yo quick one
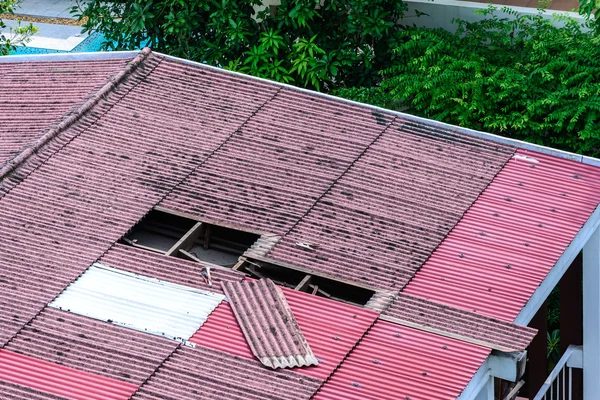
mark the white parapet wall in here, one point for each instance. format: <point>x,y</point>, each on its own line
<point>440,13</point>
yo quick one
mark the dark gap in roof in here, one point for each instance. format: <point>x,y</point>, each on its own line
<point>340,291</point>
<point>189,239</point>
<point>282,276</point>
<point>159,231</point>
<point>320,286</point>
<point>219,245</point>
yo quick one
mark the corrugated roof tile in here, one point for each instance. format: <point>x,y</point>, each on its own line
<point>60,380</point>
<point>331,328</point>
<point>472,327</point>
<point>205,373</point>
<point>268,323</point>
<point>138,302</point>
<point>395,362</point>
<point>36,95</point>
<point>170,269</point>
<point>92,346</point>
<point>499,253</point>
<point>392,208</point>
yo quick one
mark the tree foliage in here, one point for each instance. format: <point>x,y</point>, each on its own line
<point>16,36</point>
<point>520,77</point>
<point>312,43</point>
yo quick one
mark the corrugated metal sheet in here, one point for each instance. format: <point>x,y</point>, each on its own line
<point>272,171</point>
<point>497,334</point>
<point>331,328</point>
<point>100,176</point>
<point>138,302</point>
<point>35,95</point>
<point>92,346</point>
<point>500,252</point>
<point>382,219</point>
<point>12,391</point>
<point>192,373</point>
<point>170,269</point>
<point>268,324</point>
<point>60,380</point>
<point>394,362</point>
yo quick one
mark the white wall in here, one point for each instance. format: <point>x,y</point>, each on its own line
<point>441,13</point>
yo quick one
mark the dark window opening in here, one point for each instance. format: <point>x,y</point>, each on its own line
<point>189,239</point>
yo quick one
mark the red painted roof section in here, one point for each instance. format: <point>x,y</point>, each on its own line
<point>394,362</point>
<point>60,380</point>
<point>392,208</point>
<point>331,328</point>
<point>36,95</point>
<point>268,324</point>
<point>499,253</point>
<point>192,373</point>
<point>170,269</point>
<point>499,335</point>
<point>92,346</point>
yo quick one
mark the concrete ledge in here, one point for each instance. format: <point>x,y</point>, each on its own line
<point>442,12</point>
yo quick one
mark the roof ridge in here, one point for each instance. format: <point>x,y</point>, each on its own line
<point>71,117</point>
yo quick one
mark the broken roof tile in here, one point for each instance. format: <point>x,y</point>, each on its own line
<point>268,324</point>
<point>464,325</point>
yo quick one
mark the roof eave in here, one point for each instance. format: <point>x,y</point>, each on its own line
<point>104,55</point>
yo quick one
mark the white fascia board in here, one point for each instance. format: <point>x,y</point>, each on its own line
<point>478,382</point>
<point>96,55</point>
<point>558,270</point>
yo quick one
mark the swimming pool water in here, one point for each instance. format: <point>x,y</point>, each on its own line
<point>89,44</point>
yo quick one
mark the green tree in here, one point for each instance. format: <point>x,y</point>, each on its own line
<point>311,43</point>
<point>522,77</point>
<point>16,36</point>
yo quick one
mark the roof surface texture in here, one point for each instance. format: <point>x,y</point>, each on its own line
<point>458,228</point>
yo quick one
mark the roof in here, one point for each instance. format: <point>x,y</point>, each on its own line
<point>268,324</point>
<point>455,323</point>
<point>396,362</point>
<point>499,253</point>
<point>30,105</point>
<point>348,193</point>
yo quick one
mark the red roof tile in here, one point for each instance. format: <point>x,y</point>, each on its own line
<point>13,391</point>
<point>169,269</point>
<point>393,207</point>
<point>377,196</point>
<point>499,253</point>
<point>210,374</point>
<point>268,324</point>
<point>36,96</point>
<point>60,380</point>
<point>92,346</point>
<point>279,163</point>
<point>105,172</point>
<point>394,362</point>
<point>463,325</point>
<point>331,328</point>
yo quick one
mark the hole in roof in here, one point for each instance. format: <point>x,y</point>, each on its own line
<point>158,231</point>
<point>189,239</point>
<point>317,285</point>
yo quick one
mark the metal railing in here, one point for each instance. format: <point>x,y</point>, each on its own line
<point>558,386</point>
